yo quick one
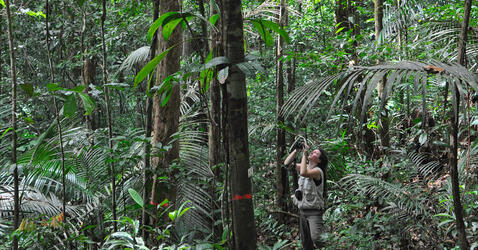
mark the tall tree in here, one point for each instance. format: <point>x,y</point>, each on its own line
<point>215,131</point>
<point>281,172</point>
<point>244,229</point>
<point>148,124</point>
<point>108,117</point>
<point>384,121</point>
<point>166,118</point>
<point>459,213</point>
<point>57,113</point>
<point>13,75</point>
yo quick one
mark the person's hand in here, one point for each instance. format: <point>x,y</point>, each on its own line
<point>306,147</point>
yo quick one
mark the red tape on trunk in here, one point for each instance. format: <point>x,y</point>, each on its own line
<point>241,197</point>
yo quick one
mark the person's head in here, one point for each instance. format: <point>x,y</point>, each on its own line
<point>318,157</point>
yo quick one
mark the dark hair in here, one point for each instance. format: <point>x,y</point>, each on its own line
<point>324,161</point>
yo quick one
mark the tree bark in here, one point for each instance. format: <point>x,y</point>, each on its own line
<point>13,75</point>
<point>281,172</point>
<point>459,213</point>
<point>148,182</point>
<point>166,119</point>
<point>108,118</point>
<point>244,229</point>
<point>384,129</point>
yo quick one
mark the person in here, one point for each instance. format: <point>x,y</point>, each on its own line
<point>309,197</point>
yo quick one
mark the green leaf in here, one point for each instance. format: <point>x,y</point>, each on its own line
<point>28,88</point>
<point>340,29</point>
<point>54,87</point>
<point>88,103</point>
<point>81,2</point>
<point>165,97</point>
<point>172,215</point>
<point>159,22</point>
<point>136,197</point>
<point>184,211</point>
<point>266,36</point>
<point>6,131</point>
<point>149,67</point>
<point>69,109</point>
<point>169,27</point>
<point>2,3</point>
<point>213,19</point>
<point>78,88</point>
<point>277,29</point>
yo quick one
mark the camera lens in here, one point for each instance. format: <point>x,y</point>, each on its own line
<point>298,194</point>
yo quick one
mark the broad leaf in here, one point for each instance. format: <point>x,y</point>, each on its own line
<point>213,19</point>
<point>223,74</point>
<point>159,22</point>
<point>69,109</point>
<point>149,67</point>
<point>136,197</point>
<point>88,103</point>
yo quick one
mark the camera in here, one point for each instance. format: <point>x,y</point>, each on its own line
<point>298,194</point>
<point>299,145</point>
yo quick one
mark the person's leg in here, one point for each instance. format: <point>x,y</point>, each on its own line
<point>316,226</point>
<point>304,229</point>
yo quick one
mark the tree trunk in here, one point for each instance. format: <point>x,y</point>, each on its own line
<point>281,172</point>
<point>341,15</point>
<point>384,129</point>
<point>166,119</point>
<point>108,118</point>
<point>148,182</point>
<point>13,75</point>
<point>244,229</point>
<point>459,213</point>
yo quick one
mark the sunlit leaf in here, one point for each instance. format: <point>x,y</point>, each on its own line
<point>136,197</point>
<point>213,19</point>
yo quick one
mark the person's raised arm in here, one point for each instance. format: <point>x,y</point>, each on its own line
<point>290,157</point>
<point>304,171</point>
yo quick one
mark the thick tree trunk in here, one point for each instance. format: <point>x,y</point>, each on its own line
<point>281,172</point>
<point>166,119</point>
<point>244,229</point>
<point>459,213</point>
<point>13,75</point>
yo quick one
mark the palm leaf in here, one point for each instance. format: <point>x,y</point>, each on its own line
<point>304,98</point>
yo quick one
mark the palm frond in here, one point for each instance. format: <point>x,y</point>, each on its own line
<point>402,196</point>
<point>397,18</point>
<point>136,58</point>
<point>303,99</point>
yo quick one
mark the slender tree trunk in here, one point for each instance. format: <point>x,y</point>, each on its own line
<point>291,82</point>
<point>148,182</point>
<point>108,117</point>
<point>459,213</point>
<point>214,135</point>
<point>384,130</point>
<point>281,172</point>
<point>57,113</point>
<point>166,119</point>
<point>244,229</point>
<point>13,75</point>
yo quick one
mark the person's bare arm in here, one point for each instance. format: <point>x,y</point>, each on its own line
<point>290,157</point>
<point>304,171</point>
